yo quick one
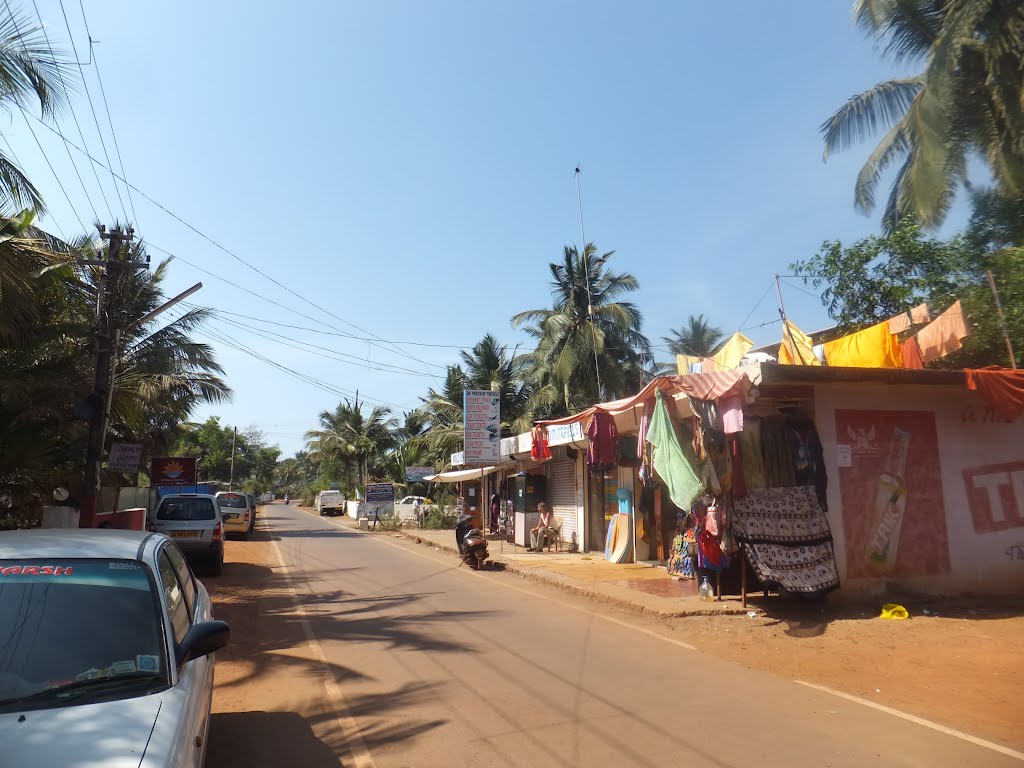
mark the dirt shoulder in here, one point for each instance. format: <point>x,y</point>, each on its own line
<point>963,668</point>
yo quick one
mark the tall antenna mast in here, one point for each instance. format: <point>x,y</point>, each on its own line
<point>590,299</point>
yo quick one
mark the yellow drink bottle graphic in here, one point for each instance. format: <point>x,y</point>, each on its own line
<point>890,502</point>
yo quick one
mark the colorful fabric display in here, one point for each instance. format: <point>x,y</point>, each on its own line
<point>669,460</point>
<point>729,356</point>
<point>787,539</point>
<point>797,347</point>
<point>912,354</point>
<point>539,450</point>
<point>602,437</point>
<point>942,336</point>
<point>874,347</point>
<point>685,363</point>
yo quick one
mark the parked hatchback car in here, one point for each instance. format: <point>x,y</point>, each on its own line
<point>194,522</point>
<point>234,508</point>
<point>108,641</point>
<point>252,511</point>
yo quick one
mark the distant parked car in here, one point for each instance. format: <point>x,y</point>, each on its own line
<point>109,650</point>
<point>406,509</point>
<point>194,521</point>
<point>329,503</point>
<point>234,506</point>
<point>252,511</point>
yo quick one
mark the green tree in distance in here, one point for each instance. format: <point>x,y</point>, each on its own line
<point>352,439</point>
<point>968,98</point>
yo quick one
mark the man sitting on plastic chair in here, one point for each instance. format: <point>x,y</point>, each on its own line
<point>542,529</point>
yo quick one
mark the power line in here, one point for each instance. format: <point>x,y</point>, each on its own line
<point>74,116</point>
<point>55,176</point>
<point>21,165</point>
<point>802,290</point>
<point>92,107</point>
<point>106,105</point>
<point>265,298</point>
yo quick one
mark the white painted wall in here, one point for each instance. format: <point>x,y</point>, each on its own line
<point>986,547</point>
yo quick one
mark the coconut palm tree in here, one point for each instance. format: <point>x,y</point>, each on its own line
<point>490,366</point>
<point>350,438</point>
<point>29,74</point>
<point>695,339</point>
<point>588,334</point>
<point>442,413</point>
<point>968,98</point>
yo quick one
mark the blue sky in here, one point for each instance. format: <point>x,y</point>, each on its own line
<point>408,167</point>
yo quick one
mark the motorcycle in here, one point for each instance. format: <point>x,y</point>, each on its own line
<point>471,542</point>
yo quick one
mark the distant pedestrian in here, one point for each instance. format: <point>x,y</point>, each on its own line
<point>495,512</point>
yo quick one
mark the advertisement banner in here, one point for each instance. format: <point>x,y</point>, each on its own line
<point>890,479</point>
<point>125,458</point>
<point>173,472</point>
<point>377,492</point>
<point>481,431</point>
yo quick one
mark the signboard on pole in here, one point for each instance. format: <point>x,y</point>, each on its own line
<point>380,498</point>
<point>481,430</point>
<point>124,458</point>
<point>173,472</point>
<point>416,474</point>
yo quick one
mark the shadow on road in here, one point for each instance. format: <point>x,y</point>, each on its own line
<point>253,739</point>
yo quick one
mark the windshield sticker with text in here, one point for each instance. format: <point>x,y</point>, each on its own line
<point>36,570</point>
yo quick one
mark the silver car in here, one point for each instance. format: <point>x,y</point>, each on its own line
<point>194,522</point>
<point>108,641</point>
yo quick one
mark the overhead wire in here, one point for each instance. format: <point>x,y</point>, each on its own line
<point>21,165</point>
<point>74,116</point>
<point>92,108</point>
<point>106,106</point>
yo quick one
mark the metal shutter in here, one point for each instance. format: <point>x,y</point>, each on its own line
<point>562,494</point>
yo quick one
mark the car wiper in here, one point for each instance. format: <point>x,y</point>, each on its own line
<point>79,686</point>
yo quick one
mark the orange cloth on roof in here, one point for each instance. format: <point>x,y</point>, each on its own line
<point>942,336</point>
<point>912,354</point>
<point>916,316</point>
<point>1003,389</point>
<point>873,347</point>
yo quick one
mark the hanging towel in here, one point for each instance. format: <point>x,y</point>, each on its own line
<point>730,408</point>
<point>797,347</point>
<point>942,336</point>
<point>912,354</point>
<point>1002,389</point>
<point>729,356</point>
<point>669,460</point>
<point>874,347</point>
<point>919,315</point>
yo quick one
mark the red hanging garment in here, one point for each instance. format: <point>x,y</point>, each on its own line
<point>539,450</point>
<point>1002,389</point>
<point>602,435</point>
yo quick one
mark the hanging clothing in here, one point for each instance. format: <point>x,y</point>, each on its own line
<point>809,461</point>
<point>685,363</point>
<point>777,450</point>
<point>1001,388</point>
<point>730,354</point>
<point>874,347</point>
<point>731,408</point>
<point>602,437</point>
<point>669,460</point>
<point>919,315</point>
<point>912,354</point>
<point>797,347</point>
<point>539,450</point>
<point>942,336</point>
<point>645,422</point>
<point>753,460</point>
<point>739,480</point>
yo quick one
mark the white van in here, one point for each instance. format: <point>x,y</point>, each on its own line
<point>329,503</point>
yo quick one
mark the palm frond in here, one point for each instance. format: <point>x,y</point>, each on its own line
<point>869,112</point>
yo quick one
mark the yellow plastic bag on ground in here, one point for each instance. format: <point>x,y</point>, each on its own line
<point>894,611</point>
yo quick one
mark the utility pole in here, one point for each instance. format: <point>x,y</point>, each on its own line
<point>231,480</point>
<point>102,386</point>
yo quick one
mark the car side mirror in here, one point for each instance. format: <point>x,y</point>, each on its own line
<point>202,640</point>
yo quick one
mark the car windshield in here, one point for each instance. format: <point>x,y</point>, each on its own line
<point>65,621</point>
<point>232,501</point>
<point>186,509</point>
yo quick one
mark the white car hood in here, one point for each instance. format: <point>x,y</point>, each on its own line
<point>112,734</point>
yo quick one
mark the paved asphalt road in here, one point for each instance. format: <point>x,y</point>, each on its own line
<point>436,665</point>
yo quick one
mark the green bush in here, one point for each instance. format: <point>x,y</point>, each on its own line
<point>437,519</point>
<point>389,522</point>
